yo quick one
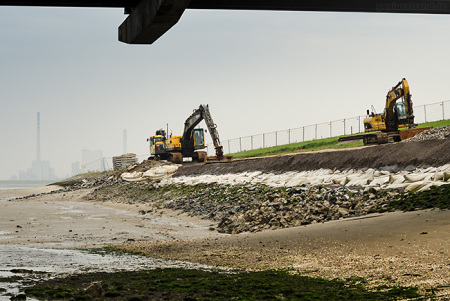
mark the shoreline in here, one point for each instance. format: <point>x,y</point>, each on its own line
<point>47,235</point>
<point>8,194</point>
<point>407,247</point>
<point>65,220</point>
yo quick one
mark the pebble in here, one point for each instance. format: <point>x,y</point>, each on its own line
<point>237,208</point>
<point>440,133</point>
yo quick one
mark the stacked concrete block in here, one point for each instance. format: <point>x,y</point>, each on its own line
<point>123,161</point>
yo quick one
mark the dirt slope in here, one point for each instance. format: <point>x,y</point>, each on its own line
<point>422,153</point>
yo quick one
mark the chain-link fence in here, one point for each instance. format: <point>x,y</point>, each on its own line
<point>425,113</point>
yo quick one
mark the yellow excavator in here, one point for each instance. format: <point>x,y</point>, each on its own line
<point>396,114</point>
<point>189,145</point>
<point>380,128</point>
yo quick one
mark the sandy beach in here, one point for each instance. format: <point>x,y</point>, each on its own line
<point>64,220</point>
<point>410,248</point>
<point>48,235</point>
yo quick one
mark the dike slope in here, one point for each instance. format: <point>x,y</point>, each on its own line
<point>417,154</point>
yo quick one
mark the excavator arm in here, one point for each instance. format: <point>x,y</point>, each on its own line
<point>202,113</point>
<point>212,127</point>
<point>398,91</point>
<point>408,104</point>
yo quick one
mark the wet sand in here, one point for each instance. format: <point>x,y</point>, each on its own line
<point>40,236</point>
<point>64,220</point>
<point>411,248</point>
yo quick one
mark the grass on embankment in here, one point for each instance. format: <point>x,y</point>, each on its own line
<point>181,284</point>
<point>436,124</point>
<point>315,145</point>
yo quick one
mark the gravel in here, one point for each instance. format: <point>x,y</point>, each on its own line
<point>250,208</point>
<point>439,133</point>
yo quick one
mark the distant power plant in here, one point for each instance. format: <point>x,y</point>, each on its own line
<point>40,170</point>
<point>38,148</point>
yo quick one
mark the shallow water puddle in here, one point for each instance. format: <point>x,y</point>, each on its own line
<point>22,266</point>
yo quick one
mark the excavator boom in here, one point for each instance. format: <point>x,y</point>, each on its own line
<point>202,113</point>
<point>175,148</point>
<point>398,91</point>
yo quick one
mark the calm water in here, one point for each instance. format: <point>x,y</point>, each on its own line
<point>4,185</point>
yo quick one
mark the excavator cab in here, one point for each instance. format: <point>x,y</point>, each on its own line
<point>199,138</point>
<point>157,145</point>
<point>400,112</point>
<point>156,139</point>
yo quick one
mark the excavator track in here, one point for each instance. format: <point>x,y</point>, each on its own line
<point>176,158</point>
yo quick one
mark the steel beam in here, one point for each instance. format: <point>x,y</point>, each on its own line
<point>71,3</point>
<point>150,19</point>
<point>392,6</point>
<point>381,6</point>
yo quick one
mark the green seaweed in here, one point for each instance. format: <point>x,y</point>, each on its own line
<point>182,284</point>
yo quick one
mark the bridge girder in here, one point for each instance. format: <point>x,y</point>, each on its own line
<point>150,19</point>
<point>71,3</point>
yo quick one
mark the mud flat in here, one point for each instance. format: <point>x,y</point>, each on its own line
<point>411,248</point>
<point>65,220</point>
<point>21,266</point>
<point>40,236</point>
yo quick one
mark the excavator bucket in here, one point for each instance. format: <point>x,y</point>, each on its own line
<point>216,159</point>
<point>405,134</point>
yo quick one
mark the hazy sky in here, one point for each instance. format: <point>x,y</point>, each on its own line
<point>258,71</point>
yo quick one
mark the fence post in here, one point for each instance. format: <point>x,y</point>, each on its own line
<point>360,128</point>
<point>425,111</point>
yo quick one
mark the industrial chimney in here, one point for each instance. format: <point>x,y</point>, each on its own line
<point>38,148</point>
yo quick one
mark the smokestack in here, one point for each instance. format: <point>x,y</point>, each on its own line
<point>125,141</point>
<point>38,148</point>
